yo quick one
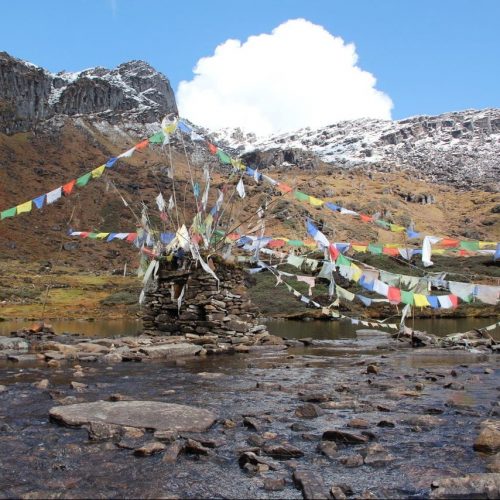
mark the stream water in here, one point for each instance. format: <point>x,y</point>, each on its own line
<point>426,433</point>
<point>285,328</point>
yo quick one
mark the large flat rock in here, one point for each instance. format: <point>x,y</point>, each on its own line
<point>142,414</point>
<point>170,350</point>
<point>13,343</point>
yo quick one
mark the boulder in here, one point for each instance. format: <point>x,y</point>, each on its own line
<point>312,485</point>
<point>344,437</point>
<point>171,350</point>
<point>470,486</point>
<point>488,440</point>
<point>13,344</point>
<point>143,414</point>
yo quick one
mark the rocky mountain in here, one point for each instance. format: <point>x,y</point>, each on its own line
<point>30,95</point>
<point>459,148</point>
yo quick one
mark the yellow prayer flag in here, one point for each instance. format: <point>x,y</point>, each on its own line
<point>397,229</point>
<point>101,236</point>
<point>359,248</point>
<point>237,164</point>
<point>315,202</point>
<point>420,300</point>
<point>97,172</point>
<point>24,207</point>
<point>356,272</point>
<point>484,244</point>
<point>170,128</point>
<point>438,251</point>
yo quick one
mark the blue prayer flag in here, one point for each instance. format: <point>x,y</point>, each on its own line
<point>111,162</point>
<point>39,201</point>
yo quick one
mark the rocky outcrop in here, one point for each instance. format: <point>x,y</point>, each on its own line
<point>460,148</point>
<point>30,95</point>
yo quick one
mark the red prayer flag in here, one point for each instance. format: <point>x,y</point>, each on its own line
<point>365,218</point>
<point>454,299</point>
<point>142,145</point>
<point>394,252</point>
<point>131,237</point>
<point>448,242</point>
<point>212,148</point>
<point>84,234</point>
<point>394,295</point>
<point>67,188</point>
<point>284,188</point>
<point>276,244</point>
<point>334,253</point>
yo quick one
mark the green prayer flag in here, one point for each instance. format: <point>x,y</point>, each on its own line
<point>295,243</point>
<point>375,249</point>
<point>157,138</point>
<point>92,236</point>
<point>301,196</point>
<point>223,157</point>
<point>342,260</point>
<point>84,179</point>
<point>469,245</point>
<point>383,223</point>
<point>10,212</point>
<point>407,297</point>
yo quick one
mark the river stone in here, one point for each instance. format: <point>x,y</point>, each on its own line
<point>143,414</point>
<point>170,350</point>
<point>488,440</point>
<point>15,344</point>
<point>470,486</point>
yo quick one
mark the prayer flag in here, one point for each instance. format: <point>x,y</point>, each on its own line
<point>394,295</point>
<point>84,179</point>
<point>142,145</point>
<point>284,188</point>
<point>160,202</point>
<point>54,195</point>
<point>407,297</point>
<point>212,148</point>
<point>365,218</point>
<point>315,202</point>
<point>68,187</point>
<point>157,138</point>
<point>420,300</point>
<point>183,127</point>
<point>39,201</point>
<point>223,157</point>
<point>332,206</point>
<point>127,154</point>
<point>24,207</point>
<point>469,245</point>
<point>334,253</point>
<point>97,172</point>
<point>111,162</point>
<point>240,187</point>
<point>300,196</point>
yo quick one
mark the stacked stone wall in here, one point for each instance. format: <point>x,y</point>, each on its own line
<point>207,308</point>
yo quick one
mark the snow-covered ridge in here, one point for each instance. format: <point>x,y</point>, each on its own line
<point>459,147</point>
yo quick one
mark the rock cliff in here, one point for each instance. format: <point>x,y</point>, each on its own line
<point>30,95</point>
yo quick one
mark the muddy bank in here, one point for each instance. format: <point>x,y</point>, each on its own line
<point>358,418</point>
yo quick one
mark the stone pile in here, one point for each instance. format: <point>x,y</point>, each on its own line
<point>206,308</point>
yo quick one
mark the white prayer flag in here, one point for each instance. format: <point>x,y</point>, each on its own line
<point>160,202</point>
<point>240,187</point>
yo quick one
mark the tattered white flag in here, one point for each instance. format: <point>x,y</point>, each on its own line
<point>160,201</point>
<point>171,203</point>
<point>240,187</point>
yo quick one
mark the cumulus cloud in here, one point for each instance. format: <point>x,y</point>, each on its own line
<point>300,75</point>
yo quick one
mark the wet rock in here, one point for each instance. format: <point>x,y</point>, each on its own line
<point>42,384</point>
<point>358,423</point>
<point>249,461</point>
<point>376,455</point>
<point>143,414</point>
<point>337,493</point>
<point>424,422</point>
<point>119,397</point>
<point>488,440</point>
<point>172,451</point>
<point>489,371</point>
<point>169,351</point>
<point>196,448</point>
<point>372,369</point>
<point>166,436</point>
<point>229,424</point>
<point>3,388</point>
<point>252,424</point>
<point>454,386</point>
<point>269,435</point>
<point>210,375</point>
<point>283,451</point>
<point>343,437</point>
<point>274,483</point>
<point>20,358</point>
<point>269,386</point>
<point>149,449</point>
<point>384,408</point>
<point>494,463</point>
<point>350,461</point>
<point>112,357</point>
<point>78,386</point>
<point>312,485</point>
<point>314,397</point>
<point>470,486</point>
<point>368,495</point>
<point>386,423</point>
<point>13,344</point>
<point>308,410</point>
<point>328,448</point>
<point>419,386</point>
<point>99,431</point>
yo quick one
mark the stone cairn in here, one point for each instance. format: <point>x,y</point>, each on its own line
<point>206,309</point>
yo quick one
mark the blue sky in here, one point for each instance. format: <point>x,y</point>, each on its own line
<point>428,56</point>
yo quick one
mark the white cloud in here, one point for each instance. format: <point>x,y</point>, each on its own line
<point>299,75</point>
